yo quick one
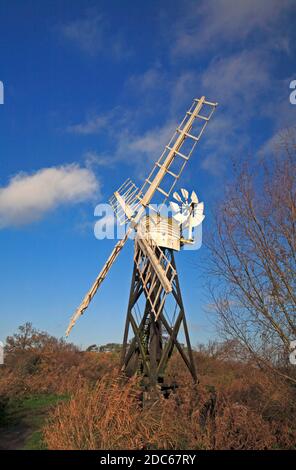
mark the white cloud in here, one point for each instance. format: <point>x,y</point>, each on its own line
<point>139,150</point>
<point>242,81</point>
<point>130,143</point>
<point>150,79</point>
<point>151,143</point>
<point>207,24</point>
<point>27,197</point>
<point>282,138</point>
<point>247,92</point>
<point>86,33</point>
<point>93,35</point>
<point>238,78</point>
<point>238,73</point>
<point>93,159</point>
<point>161,92</point>
<point>269,145</point>
<point>224,141</point>
<point>183,90</point>
<point>237,82</point>
<point>214,164</point>
<point>92,125</point>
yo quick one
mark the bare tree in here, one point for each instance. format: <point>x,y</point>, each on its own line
<point>28,338</point>
<point>253,258</point>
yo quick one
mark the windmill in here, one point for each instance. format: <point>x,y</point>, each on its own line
<point>155,310</point>
<point>188,214</point>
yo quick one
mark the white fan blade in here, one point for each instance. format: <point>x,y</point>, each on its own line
<point>185,194</point>
<point>199,208</point>
<point>196,220</point>
<point>180,218</point>
<point>185,207</point>
<point>194,197</point>
<point>175,207</point>
<point>177,197</point>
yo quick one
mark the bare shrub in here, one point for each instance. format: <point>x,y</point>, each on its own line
<point>253,261</point>
<point>236,405</point>
<point>238,427</point>
<point>110,416</point>
<point>107,417</point>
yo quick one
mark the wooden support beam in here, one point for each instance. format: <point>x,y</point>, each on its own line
<point>170,344</point>
<point>158,269</point>
<point>147,345</point>
<point>162,171</point>
<point>140,345</point>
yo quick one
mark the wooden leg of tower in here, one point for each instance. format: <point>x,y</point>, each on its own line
<point>167,352</point>
<point>132,353</point>
<point>189,364</point>
<point>189,349</point>
<point>127,321</point>
<point>146,348</point>
<point>155,350</point>
<point>139,340</point>
<point>135,292</point>
<point>173,331</point>
<point>133,346</point>
<point>178,297</point>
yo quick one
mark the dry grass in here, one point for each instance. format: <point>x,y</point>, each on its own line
<point>105,417</point>
<point>245,408</point>
<point>110,416</point>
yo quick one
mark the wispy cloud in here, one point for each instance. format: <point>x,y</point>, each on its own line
<point>208,24</point>
<point>86,33</point>
<point>238,78</point>
<point>92,125</point>
<point>133,139</point>
<point>27,197</point>
<point>95,123</point>
<point>94,159</point>
<point>282,138</point>
<point>241,79</point>
<point>151,142</point>
<point>224,141</point>
<point>162,92</point>
<point>140,150</point>
<point>151,79</point>
<point>93,35</point>
<point>244,83</point>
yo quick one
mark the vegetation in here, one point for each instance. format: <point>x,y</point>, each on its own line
<point>69,399</point>
<point>253,262</point>
<point>23,419</point>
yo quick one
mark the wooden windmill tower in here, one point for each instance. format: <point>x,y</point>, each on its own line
<point>155,311</point>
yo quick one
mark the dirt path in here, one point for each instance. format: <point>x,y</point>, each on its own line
<point>14,436</point>
<point>24,419</point>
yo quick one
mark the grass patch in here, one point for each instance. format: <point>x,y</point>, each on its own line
<point>29,414</point>
<point>35,442</point>
<point>37,402</point>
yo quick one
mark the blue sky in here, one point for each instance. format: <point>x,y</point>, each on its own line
<point>93,90</point>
